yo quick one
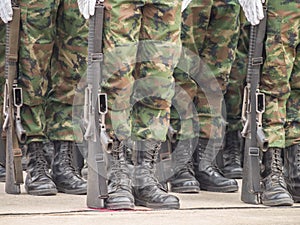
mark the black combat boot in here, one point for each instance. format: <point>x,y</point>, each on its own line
<point>23,159</point>
<point>148,191</point>
<point>207,173</point>
<point>184,180</point>
<point>63,172</point>
<point>232,156</point>
<point>38,180</point>
<point>49,152</point>
<point>2,173</point>
<point>119,182</point>
<point>292,170</point>
<point>274,187</point>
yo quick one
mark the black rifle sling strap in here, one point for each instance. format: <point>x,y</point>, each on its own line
<point>256,61</point>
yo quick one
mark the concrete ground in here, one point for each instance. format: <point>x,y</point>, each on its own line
<point>206,208</point>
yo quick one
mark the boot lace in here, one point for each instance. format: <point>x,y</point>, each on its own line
<point>151,150</point>
<point>183,160</point>
<point>298,159</point>
<point>119,171</point>
<point>38,157</point>
<point>276,167</point>
<point>41,163</point>
<point>232,149</point>
<point>67,157</point>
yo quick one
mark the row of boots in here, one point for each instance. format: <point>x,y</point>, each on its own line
<point>195,167</point>
<point>60,177</point>
<point>135,183</point>
<point>280,181</point>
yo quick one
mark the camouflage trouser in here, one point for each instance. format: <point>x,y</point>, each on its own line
<point>53,48</point>
<point>183,115</point>
<point>141,49</point>
<point>235,88</point>
<point>210,29</point>
<point>217,32</point>
<point>280,79</point>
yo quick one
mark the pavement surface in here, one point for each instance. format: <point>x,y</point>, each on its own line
<point>207,208</point>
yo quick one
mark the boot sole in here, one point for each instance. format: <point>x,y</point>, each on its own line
<point>219,189</point>
<point>296,198</point>
<point>45,192</point>
<point>2,179</point>
<point>72,191</point>
<point>156,205</point>
<point>190,189</point>
<point>280,202</point>
<point>120,206</point>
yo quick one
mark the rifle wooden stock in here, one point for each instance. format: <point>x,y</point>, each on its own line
<point>14,171</point>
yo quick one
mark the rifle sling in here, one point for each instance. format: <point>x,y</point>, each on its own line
<point>11,75</point>
<point>13,43</point>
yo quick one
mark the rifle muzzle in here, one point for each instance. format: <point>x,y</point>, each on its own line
<point>106,141</point>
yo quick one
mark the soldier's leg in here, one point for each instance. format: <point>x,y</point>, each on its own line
<point>276,73</point>
<point>35,53</point>
<point>183,112</point>
<point>120,49</point>
<point>154,89</point>
<point>68,65</point>
<point>232,157</point>
<point>292,150</point>
<point>184,122</point>
<point>217,54</point>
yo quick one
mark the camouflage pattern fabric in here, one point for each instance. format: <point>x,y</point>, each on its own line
<point>280,79</point>
<point>140,54</point>
<point>235,88</point>
<point>183,115</point>
<point>293,105</point>
<point>218,54</point>
<point>53,48</point>
<point>215,30</point>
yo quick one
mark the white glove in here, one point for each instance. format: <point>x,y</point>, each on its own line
<point>6,11</point>
<point>185,4</point>
<point>86,7</point>
<point>253,10</point>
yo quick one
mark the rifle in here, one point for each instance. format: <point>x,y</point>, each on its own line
<point>252,111</point>
<point>164,169</point>
<point>164,164</point>
<point>13,131</point>
<point>95,120</point>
